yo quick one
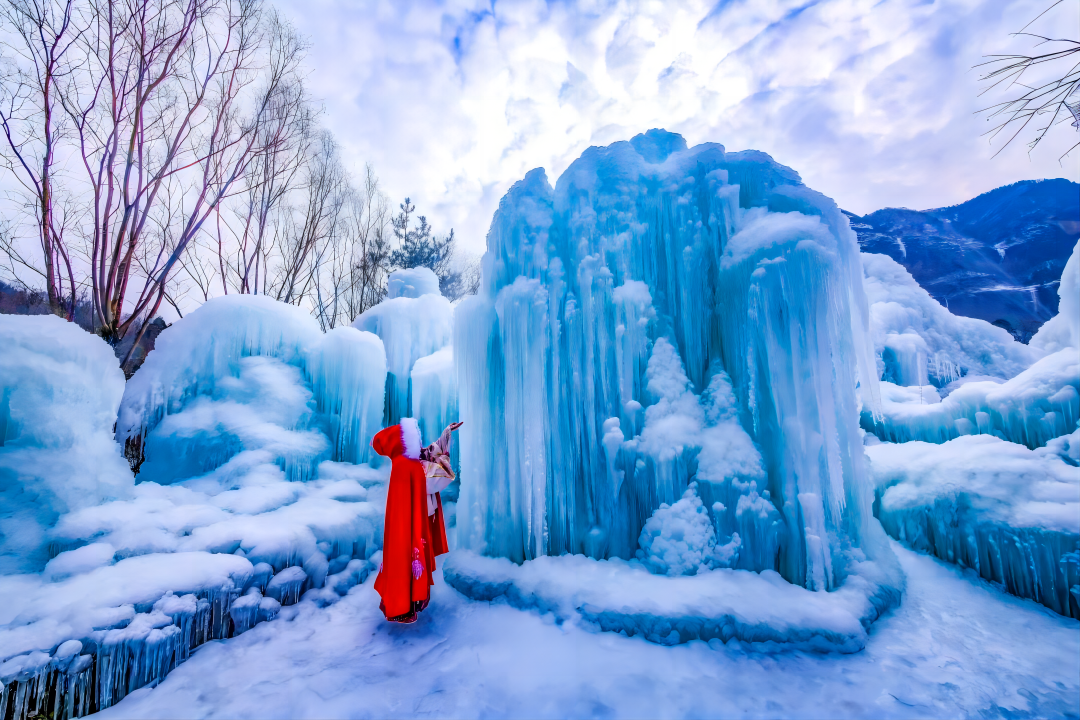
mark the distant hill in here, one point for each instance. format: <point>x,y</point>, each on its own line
<point>998,257</point>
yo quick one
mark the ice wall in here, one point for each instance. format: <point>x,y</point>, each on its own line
<point>414,321</point>
<point>645,247</point>
<point>434,396</point>
<point>59,390</point>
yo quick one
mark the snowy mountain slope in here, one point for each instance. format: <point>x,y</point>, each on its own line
<point>996,257</point>
<point>956,647</point>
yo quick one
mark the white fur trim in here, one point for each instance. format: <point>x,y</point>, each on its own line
<point>410,438</point>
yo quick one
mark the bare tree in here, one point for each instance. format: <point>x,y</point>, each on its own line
<point>367,225</point>
<point>275,170</point>
<point>37,48</point>
<point>169,147</point>
<point>1042,99</point>
<point>310,237</point>
<point>163,137</point>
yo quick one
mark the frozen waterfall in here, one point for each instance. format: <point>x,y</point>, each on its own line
<point>576,429</point>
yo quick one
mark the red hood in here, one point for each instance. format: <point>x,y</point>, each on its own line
<point>397,440</point>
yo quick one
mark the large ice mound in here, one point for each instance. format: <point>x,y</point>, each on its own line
<point>663,314</point>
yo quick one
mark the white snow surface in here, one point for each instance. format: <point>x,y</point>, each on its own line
<point>760,609</point>
<point>956,647</point>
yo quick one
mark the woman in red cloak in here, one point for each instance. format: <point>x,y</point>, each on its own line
<point>414,532</point>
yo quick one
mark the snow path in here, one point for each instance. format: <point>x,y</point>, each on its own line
<point>956,647</point>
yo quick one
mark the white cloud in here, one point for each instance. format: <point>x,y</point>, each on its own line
<point>871,102</point>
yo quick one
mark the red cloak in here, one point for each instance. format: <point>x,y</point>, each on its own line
<point>411,538</point>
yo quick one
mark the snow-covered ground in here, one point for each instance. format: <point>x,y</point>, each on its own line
<point>955,647</point>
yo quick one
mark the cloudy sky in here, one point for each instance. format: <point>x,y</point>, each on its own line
<point>871,101</point>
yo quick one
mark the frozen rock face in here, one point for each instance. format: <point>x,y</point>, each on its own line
<point>59,390</point>
<point>413,322</point>
<point>723,263</point>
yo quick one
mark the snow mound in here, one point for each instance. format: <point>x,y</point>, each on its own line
<point>235,424</point>
<point>763,610</point>
<point>1009,512</point>
<point>679,539</point>
<point>249,350</point>
<point>59,390</point>
<point>412,283</point>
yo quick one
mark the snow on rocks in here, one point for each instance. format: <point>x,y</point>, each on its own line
<point>761,610</point>
<point>1009,512</point>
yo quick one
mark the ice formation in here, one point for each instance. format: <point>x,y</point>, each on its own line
<point>984,469</point>
<point>244,425</point>
<point>918,342</point>
<point>663,314</point>
<point>414,321</point>
<point>1011,513</point>
<point>1034,407</point>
